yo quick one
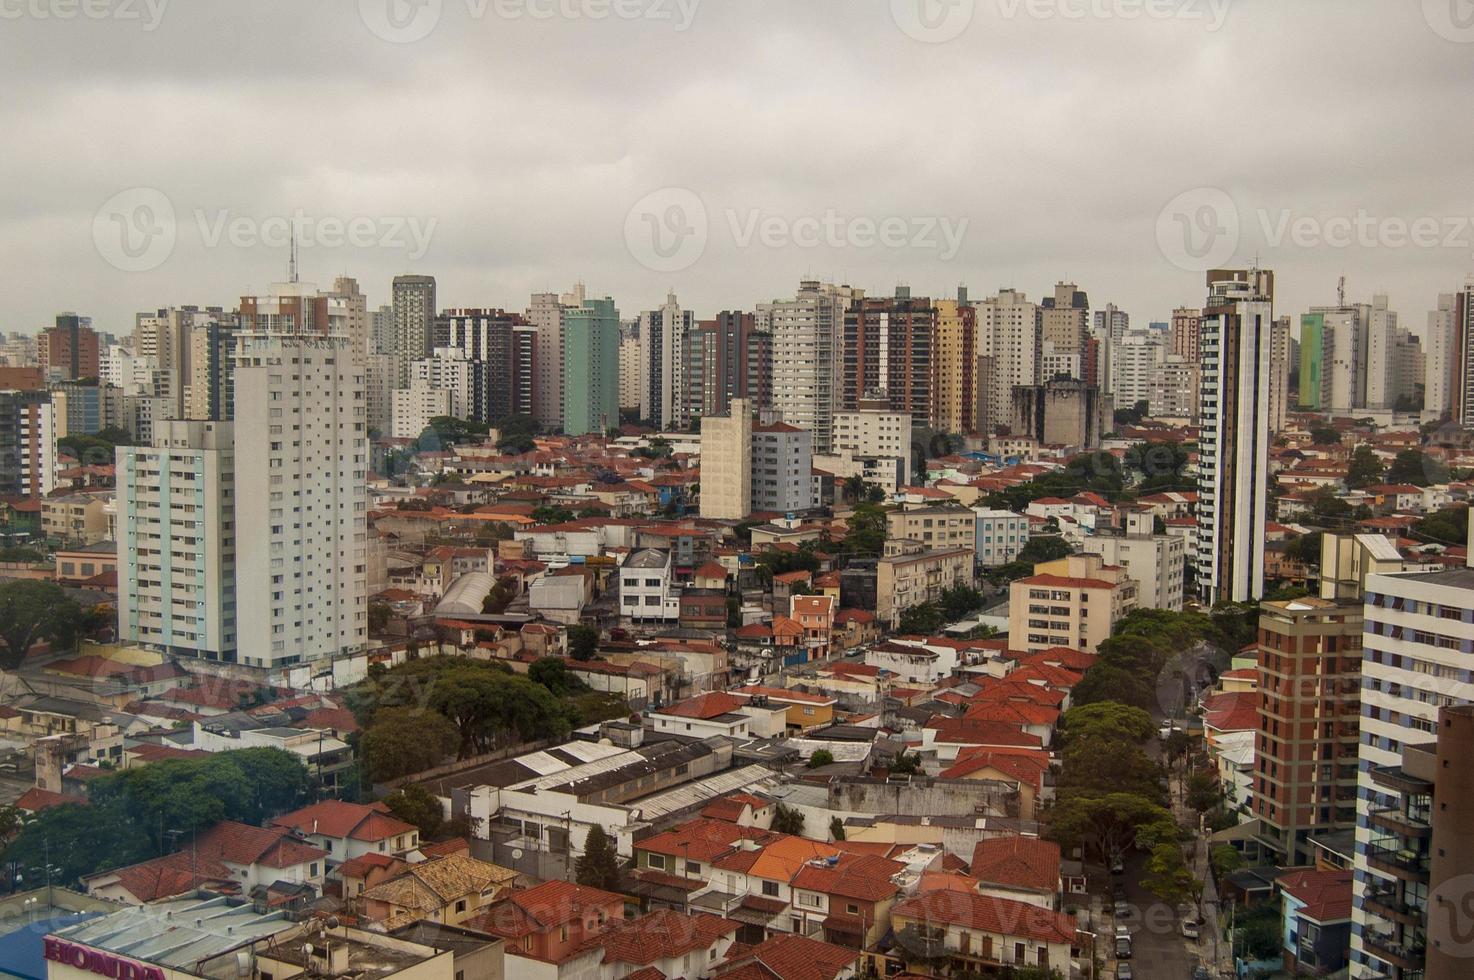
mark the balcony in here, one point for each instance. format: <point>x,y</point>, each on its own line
<point>1399,781</point>
<point>1395,821</point>
<point>1402,862</point>
<point>1383,902</point>
<point>1384,948</point>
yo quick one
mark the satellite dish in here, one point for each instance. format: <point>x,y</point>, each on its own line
<point>516,854</point>
<point>331,922</point>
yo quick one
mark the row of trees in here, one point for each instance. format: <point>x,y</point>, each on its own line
<point>141,813</point>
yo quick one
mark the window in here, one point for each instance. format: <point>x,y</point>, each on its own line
<point>770,888</point>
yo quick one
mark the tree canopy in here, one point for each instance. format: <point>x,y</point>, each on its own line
<point>406,740</point>
<point>33,611</point>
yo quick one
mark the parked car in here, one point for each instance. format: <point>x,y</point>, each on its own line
<point>1200,972</point>
<point>1189,929</point>
<point>1123,971</point>
<point>1122,932</point>
<point>1120,909</point>
<point>1118,865</point>
<point>1123,948</point>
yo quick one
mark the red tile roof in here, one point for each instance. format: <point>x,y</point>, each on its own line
<point>1017,862</point>
<point>1234,712</point>
<point>356,821</point>
<point>1066,582</point>
<point>704,706</point>
<point>1326,894</point>
<point>788,957</point>
<point>660,935</point>
<point>702,839</point>
<point>861,876</point>
<point>983,913</point>
<point>36,799</point>
<point>1025,765</point>
<point>544,907</point>
<point>978,732</point>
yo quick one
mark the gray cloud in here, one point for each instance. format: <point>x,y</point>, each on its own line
<point>527,141</point>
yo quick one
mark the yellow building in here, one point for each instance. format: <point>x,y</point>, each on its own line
<point>954,367</point>
<point>1073,602</point>
<point>912,574</point>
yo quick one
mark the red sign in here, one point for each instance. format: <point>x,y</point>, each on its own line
<point>98,962</point>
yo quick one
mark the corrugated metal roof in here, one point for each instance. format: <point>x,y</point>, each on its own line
<point>702,791</point>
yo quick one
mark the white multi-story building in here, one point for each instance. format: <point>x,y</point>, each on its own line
<point>1053,362</point>
<point>1279,373</point>
<point>1136,359</point>
<point>807,358</point>
<point>663,334</point>
<point>177,541</point>
<point>414,407</point>
<point>873,431</point>
<point>1416,642</point>
<point>782,468</point>
<point>378,380</point>
<point>449,369</point>
<point>1381,353</point>
<point>1156,561</point>
<point>1009,338</point>
<point>999,536</point>
<point>1233,446</point>
<point>301,565</point>
<point>1176,395</point>
<point>629,371</point>
<point>1439,352</point>
<point>545,311</point>
<point>644,587</point>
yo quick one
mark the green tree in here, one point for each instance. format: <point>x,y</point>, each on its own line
<point>1418,468</point>
<point>1100,765</point>
<point>923,620</point>
<point>417,805</point>
<point>500,596</point>
<point>787,820</point>
<point>1167,875</point>
<point>1365,468</point>
<point>1106,824</point>
<point>583,642</point>
<point>32,611</point>
<point>77,840</point>
<point>821,757</point>
<point>1225,859</point>
<point>379,614</point>
<point>836,828</point>
<point>1108,720</point>
<point>403,741</point>
<point>960,601</point>
<point>598,865</point>
<point>552,673</point>
<point>1203,793</point>
<point>1324,435</point>
<point>905,764</point>
<point>867,531</point>
<point>854,488</point>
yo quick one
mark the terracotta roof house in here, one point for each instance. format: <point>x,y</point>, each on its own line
<point>1025,869</point>
<point>790,957</point>
<point>347,830</point>
<point>449,890</point>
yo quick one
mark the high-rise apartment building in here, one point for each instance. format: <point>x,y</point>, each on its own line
<point>782,468</point>
<point>1278,382</point>
<point>807,353</point>
<point>1233,446</point>
<point>888,348</point>
<point>70,350</point>
<point>500,349</point>
<point>664,398</point>
<point>1381,353</point>
<point>726,463</point>
<point>352,305</point>
<point>301,565</point>
<point>1414,806</point>
<point>1439,357</point>
<point>723,358</point>
<point>1065,318</point>
<point>378,380</point>
<point>414,323</point>
<point>177,541</point>
<point>954,365</point>
<point>1008,353</point>
<point>1176,393</point>
<point>591,367</point>
<point>872,431</point>
<point>1185,332</point>
<point>27,443</point>
<point>1136,359</point>
<point>629,371</point>
<point>546,312</point>
<point>449,370</point>
<point>381,330</point>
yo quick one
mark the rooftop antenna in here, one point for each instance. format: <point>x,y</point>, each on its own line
<point>292,261</point>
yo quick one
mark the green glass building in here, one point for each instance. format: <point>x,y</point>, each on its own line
<point>1312,344</point>
<point>591,367</point>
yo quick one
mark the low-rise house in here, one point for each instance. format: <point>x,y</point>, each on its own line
<point>88,563</point>
<point>667,942</point>
<point>787,957</point>
<point>347,830</point>
<point>1026,769</point>
<point>815,614</point>
<point>805,712</point>
<point>848,896</point>
<point>1316,913</point>
<point>981,933</point>
<point>1024,869</point>
<point>720,713</point>
<point>229,856</point>
<point>549,924</point>
<point>450,889</point>
<point>357,875</point>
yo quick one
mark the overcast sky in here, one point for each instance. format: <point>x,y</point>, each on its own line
<point>728,148</point>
